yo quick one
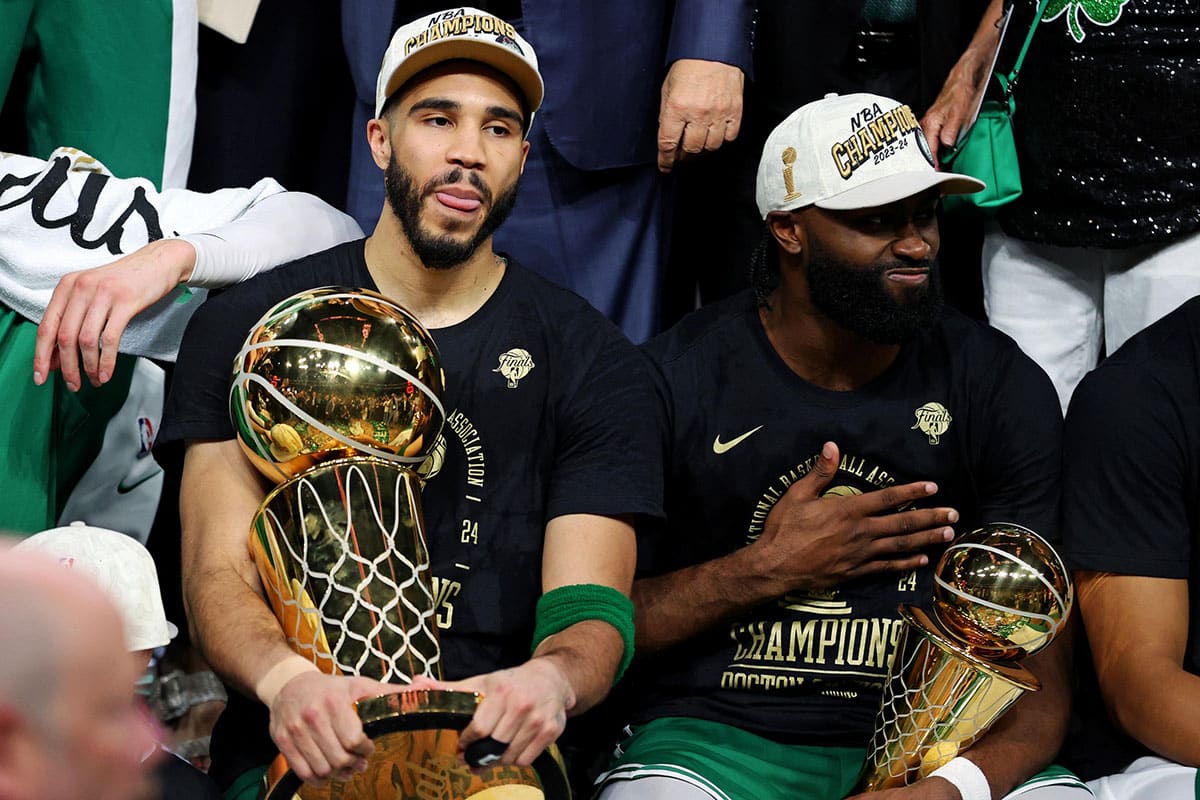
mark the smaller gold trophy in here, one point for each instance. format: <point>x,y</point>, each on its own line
<point>337,398</point>
<point>1000,593</point>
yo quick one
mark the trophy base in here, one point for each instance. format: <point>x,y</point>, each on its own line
<point>416,756</point>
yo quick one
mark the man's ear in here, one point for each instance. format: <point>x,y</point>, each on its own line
<point>524,154</point>
<point>788,232</point>
<point>379,137</point>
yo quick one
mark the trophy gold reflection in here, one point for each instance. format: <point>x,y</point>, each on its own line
<point>337,398</point>
<point>1000,593</point>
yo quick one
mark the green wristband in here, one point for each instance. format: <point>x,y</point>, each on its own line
<point>561,608</point>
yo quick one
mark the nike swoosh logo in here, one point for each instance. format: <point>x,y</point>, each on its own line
<point>720,447</point>
<point>123,489</point>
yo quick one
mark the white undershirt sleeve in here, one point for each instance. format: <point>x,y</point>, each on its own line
<point>275,230</point>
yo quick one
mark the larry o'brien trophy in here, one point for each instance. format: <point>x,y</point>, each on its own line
<point>1000,593</point>
<point>337,398</point>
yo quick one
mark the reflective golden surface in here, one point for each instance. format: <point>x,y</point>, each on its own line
<point>1004,588</point>
<point>330,373</point>
<point>939,700</point>
<point>417,701</point>
<point>1000,593</point>
<point>336,397</point>
<point>416,756</point>
<point>342,557</point>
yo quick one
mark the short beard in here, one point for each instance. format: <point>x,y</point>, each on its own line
<point>856,299</point>
<point>445,251</point>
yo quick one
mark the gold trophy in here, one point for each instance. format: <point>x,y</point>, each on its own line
<point>337,398</point>
<point>1000,593</point>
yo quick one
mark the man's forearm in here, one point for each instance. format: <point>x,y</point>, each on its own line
<point>273,231</point>
<point>1138,631</point>
<point>1158,708</point>
<point>236,629</point>
<point>587,654</point>
<point>585,549</point>
<point>808,541</point>
<point>677,606</point>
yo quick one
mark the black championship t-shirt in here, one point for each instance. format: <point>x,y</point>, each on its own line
<point>1131,475</point>
<point>568,433</point>
<point>961,406</point>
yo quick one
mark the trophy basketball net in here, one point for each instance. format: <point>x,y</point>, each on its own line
<point>1000,593</point>
<point>337,398</point>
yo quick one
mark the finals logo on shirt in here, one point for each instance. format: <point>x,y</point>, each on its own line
<point>515,365</point>
<point>933,420</point>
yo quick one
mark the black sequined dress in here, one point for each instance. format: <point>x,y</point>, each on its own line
<point>1108,126</point>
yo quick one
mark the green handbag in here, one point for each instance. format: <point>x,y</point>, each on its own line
<point>988,150</point>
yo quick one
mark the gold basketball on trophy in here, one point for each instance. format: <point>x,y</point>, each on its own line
<point>1002,587</point>
<point>331,373</point>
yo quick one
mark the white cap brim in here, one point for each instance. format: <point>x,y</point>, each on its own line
<point>896,187</point>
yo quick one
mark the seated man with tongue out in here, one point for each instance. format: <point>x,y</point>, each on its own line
<point>537,489</point>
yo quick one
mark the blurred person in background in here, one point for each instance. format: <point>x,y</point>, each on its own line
<point>70,728</point>
<point>123,568</point>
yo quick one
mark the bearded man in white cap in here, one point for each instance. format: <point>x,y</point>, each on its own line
<point>826,431</point>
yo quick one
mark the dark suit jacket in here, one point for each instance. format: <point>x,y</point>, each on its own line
<point>604,62</point>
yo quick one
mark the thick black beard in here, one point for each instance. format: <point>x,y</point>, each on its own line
<point>441,252</point>
<point>856,299</point>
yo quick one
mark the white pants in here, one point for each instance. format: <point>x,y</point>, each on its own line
<point>1149,778</point>
<point>1067,305</point>
<point>659,788</point>
<point>673,788</point>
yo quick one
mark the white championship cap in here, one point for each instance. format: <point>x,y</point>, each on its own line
<point>849,151</point>
<point>122,567</point>
<point>459,33</point>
